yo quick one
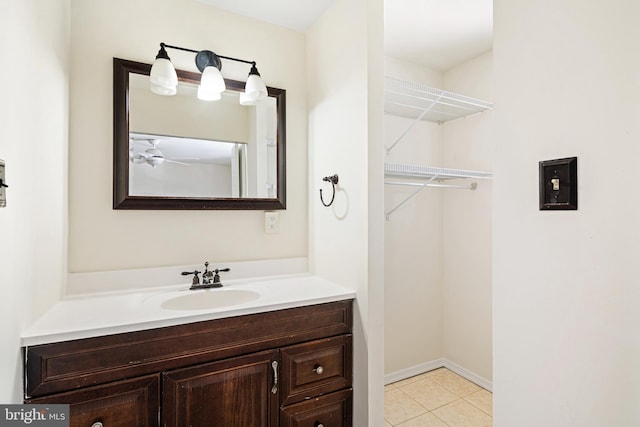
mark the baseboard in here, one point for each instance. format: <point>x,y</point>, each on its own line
<point>435,364</point>
<point>465,373</point>
<point>413,371</point>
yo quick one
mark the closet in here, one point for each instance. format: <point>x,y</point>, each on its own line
<point>438,228</point>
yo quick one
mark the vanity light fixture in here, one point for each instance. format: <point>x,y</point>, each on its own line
<point>164,80</point>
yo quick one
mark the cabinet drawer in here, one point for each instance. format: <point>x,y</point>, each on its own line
<point>332,410</point>
<point>121,404</point>
<point>315,368</point>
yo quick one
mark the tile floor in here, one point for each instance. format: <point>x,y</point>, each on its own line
<point>439,398</point>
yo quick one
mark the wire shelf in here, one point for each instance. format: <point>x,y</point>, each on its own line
<point>401,170</point>
<point>418,101</point>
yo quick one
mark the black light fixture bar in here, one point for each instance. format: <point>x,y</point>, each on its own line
<point>164,45</point>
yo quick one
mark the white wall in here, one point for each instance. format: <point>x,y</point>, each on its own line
<point>101,238</point>
<point>566,296</point>
<point>34,40</point>
<point>344,63</point>
<point>413,239</point>
<point>466,226</point>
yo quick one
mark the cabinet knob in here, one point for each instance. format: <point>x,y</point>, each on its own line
<point>319,424</point>
<point>97,424</point>
<point>318,369</point>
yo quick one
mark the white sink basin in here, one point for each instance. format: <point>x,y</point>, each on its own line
<point>209,298</point>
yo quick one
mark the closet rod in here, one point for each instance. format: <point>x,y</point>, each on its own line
<point>421,186</point>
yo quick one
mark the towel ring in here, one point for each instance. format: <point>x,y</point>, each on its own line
<point>333,179</point>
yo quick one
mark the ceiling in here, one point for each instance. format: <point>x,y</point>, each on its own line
<point>295,14</point>
<point>436,33</point>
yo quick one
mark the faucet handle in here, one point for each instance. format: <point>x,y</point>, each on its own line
<point>196,279</point>
<point>216,278</point>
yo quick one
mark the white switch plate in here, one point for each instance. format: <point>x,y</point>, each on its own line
<point>3,192</point>
<point>271,222</point>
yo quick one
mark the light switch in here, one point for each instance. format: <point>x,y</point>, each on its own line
<point>271,222</point>
<point>3,186</point>
<point>559,184</point>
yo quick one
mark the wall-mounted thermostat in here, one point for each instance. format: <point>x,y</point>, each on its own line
<point>3,186</point>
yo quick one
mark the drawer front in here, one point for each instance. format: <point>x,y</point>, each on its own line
<point>121,404</point>
<point>315,368</point>
<point>332,410</point>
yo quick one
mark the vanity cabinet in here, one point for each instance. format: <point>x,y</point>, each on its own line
<point>288,367</point>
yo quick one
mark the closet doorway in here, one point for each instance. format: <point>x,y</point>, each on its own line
<point>438,141</point>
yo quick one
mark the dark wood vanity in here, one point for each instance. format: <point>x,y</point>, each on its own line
<point>290,368</point>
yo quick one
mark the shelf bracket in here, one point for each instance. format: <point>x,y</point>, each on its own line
<point>415,122</point>
<point>420,188</point>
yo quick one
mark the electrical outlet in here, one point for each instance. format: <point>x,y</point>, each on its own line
<point>271,222</point>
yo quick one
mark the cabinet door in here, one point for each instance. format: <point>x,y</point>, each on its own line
<point>238,392</point>
<point>119,404</point>
<point>332,410</point>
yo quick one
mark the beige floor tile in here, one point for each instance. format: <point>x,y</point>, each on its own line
<point>482,400</point>
<point>463,414</point>
<point>454,383</point>
<point>407,381</point>
<point>426,420</point>
<point>399,407</point>
<point>429,394</point>
<point>390,386</point>
<point>386,424</point>
<point>435,372</point>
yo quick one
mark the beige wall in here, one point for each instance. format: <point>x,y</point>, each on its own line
<point>101,238</point>
<point>343,66</point>
<point>34,40</point>
<point>566,296</point>
<point>466,226</point>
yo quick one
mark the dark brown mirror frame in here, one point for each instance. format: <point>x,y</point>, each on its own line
<point>121,197</point>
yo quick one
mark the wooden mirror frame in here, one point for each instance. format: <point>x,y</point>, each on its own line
<point>121,197</point>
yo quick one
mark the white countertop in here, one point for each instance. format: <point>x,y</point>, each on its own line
<point>111,313</point>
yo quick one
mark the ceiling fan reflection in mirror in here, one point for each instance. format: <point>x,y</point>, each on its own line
<point>152,156</point>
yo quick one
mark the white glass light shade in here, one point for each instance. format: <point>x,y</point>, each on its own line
<point>255,88</point>
<point>163,75</point>
<point>210,95</point>
<point>162,90</point>
<point>211,84</point>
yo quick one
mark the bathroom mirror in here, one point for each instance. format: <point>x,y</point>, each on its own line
<point>178,152</point>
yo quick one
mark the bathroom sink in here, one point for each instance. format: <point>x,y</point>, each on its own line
<point>210,298</point>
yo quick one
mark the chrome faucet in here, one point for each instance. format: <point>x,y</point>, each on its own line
<point>210,278</point>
